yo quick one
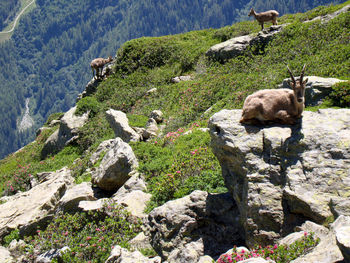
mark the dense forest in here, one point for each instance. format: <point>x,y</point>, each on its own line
<point>47,58</point>
<point>7,11</point>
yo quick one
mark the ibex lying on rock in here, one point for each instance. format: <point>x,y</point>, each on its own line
<point>277,105</point>
<point>98,64</point>
<point>262,17</point>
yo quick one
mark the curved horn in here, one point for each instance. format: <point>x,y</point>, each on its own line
<point>291,74</point>
<point>302,74</point>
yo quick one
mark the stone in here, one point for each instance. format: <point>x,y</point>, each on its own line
<point>151,129</point>
<point>67,132</point>
<point>93,205</point>
<point>316,88</point>
<point>5,256</point>
<point>237,46</point>
<point>81,192</point>
<point>157,115</point>
<point>181,78</point>
<point>122,255</point>
<point>206,259</point>
<point>341,229</point>
<point>185,229</point>
<point>281,175</point>
<point>116,167</point>
<point>48,256</point>
<point>141,241</point>
<point>120,125</point>
<point>28,210</point>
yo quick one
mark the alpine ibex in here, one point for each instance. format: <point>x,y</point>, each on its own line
<point>262,17</point>
<point>277,105</point>
<point>97,64</point>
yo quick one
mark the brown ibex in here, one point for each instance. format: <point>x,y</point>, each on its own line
<point>262,17</point>
<point>98,64</point>
<point>277,105</point>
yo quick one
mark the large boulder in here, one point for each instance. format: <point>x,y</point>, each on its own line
<point>199,224</point>
<point>117,166</point>
<point>281,175</point>
<point>67,132</point>
<point>36,207</point>
<point>120,125</point>
<point>237,45</point>
<point>316,88</point>
<point>341,229</point>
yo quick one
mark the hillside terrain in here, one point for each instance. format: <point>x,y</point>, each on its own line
<point>204,188</point>
<point>46,60</point>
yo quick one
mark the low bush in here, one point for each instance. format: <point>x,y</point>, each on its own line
<point>340,96</point>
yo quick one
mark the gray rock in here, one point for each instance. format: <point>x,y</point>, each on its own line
<point>122,255</point>
<point>206,259</point>
<point>181,78</point>
<point>5,256</point>
<point>157,115</point>
<point>81,192</point>
<point>67,132</point>
<point>280,175</point>
<point>199,224</point>
<point>236,46</point>
<point>141,241</point>
<point>151,129</point>
<point>341,229</point>
<point>316,89</point>
<point>93,205</point>
<point>120,125</point>
<point>116,167</point>
<point>35,207</point>
<point>48,256</point>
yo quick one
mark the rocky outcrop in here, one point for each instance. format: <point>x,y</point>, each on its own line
<point>199,224</point>
<point>279,175</point>
<point>236,46</point>
<point>67,132</point>
<point>316,88</point>
<point>35,207</point>
<point>122,255</point>
<point>116,167</point>
<point>120,125</point>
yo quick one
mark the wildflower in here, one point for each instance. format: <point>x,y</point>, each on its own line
<point>178,172</point>
<point>305,234</point>
<point>88,237</point>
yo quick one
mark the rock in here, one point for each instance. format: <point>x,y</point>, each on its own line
<point>48,256</point>
<point>93,205</point>
<point>157,115</point>
<point>141,241</point>
<point>316,89</point>
<point>151,91</point>
<point>151,129</point>
<point>236,46</point>
<point>181,78</point>
<point>16,248</point>
<point>199,224</point>
<point>5,256</point>
<point>81,192</point>
<point>341,228</point>
<point>40,130</point>
<point>281,175</point>
<point>35,207</point>
<point>116,167</point>
<point>90,88</point>
<point>340,207</point>
<point>66,133</point>
<point>326,18</point>
<point>120,125</point>
<point>206,259</point>
<point>255,260</point>
<point>122,255</point>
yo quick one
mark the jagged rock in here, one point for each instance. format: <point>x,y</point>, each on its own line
<point>236,46</point>
<point>181,78</point>
<point>157,115</point>
<point>341,228</point>
<point>326,251</point>
<point>120,125</point>
<point>16,249</point>
<point>48,256</point>
<point>81,192</point>
<point>93,205</point>
<point>5,256</point>
<point>116,167</point>
<point>66,133</point>
<point>151,129</point>
<point>35,207</point>
<point>316,89</point>
<point>340,207</point>
<point>281,175</point>
<point>199,224</point>
<point>141,241</point>
<point>122,255</point>
<point>90,88</point>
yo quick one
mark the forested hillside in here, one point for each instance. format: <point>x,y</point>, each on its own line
<point>47,59</point>
<point>7,11</point>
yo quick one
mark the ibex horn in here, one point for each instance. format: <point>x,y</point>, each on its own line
<point>302,74</point>
<point>291,74</point>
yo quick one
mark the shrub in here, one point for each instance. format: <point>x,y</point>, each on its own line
<point>340,96</point>
<point>54,116</point>
<point>14,235</point>
<point>88,104</point>
<point>90,236</point>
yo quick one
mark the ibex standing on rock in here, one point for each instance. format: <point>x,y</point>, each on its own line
<point>97,64</point>
<point>277,105</point>
<point>262,17</point>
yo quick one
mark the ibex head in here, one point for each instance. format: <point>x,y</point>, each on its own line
<point>298,86</point>
<point>251,12</point>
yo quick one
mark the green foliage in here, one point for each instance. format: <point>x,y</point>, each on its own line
<point>340,96</point>
<point>177,165</point>
<point>54,116</point>
<point>277,253</point>
<point>137,120</point>
<point>90,236</point>
<point>88,104</point>
<point>14,235</point>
